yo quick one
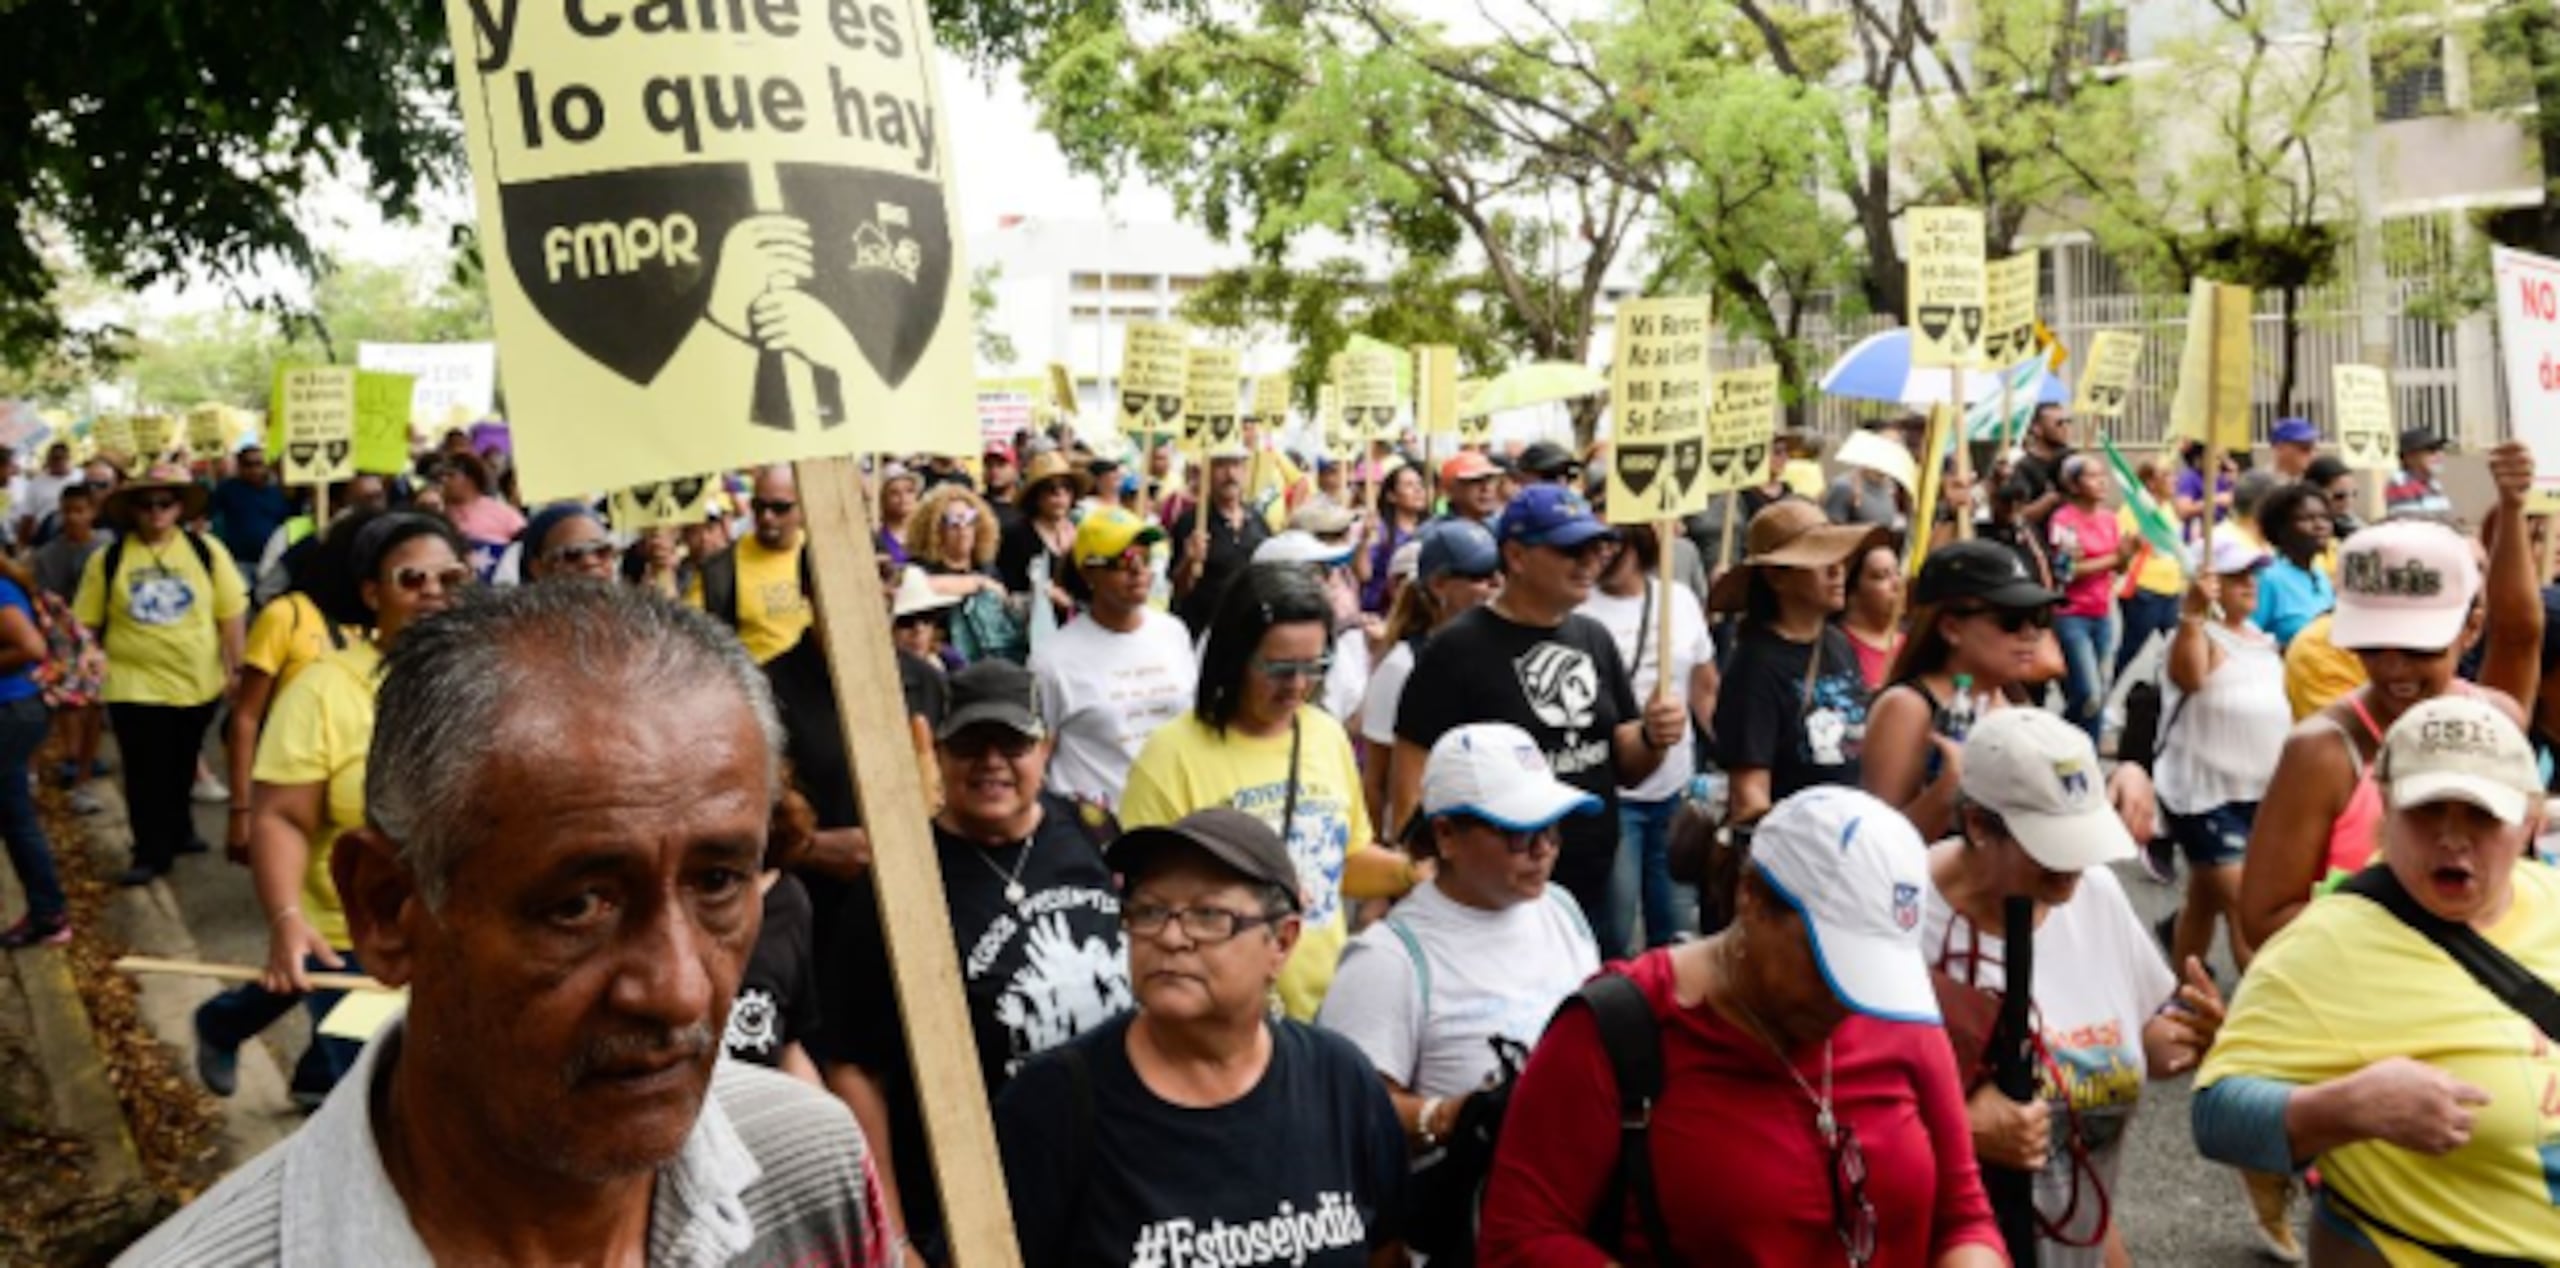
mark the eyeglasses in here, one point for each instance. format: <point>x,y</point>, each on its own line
<point>155,502</point>
<point>1516,840</point>
<point>1205,925</point>
<point>579,552</point>
<point>1134,559</point>
<point>773,506</point>
<point>970,745</point>
<point>1853,1217</point>
<point>2011,620</point>
<point>1287,670</point>
<point>414,579</point>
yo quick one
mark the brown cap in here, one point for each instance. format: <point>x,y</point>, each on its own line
<point>1790,533</point>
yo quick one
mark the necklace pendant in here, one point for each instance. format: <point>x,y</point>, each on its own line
<point>1014,893</point>
<point>1824,1124</point>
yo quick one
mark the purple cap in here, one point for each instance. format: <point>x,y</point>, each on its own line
<point>1550,515</point>
<point>2293,431</point>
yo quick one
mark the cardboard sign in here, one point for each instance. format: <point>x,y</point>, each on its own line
<point>208,431</point>
<point>1340,438</point>
<point>717,235</point>
<point>1215,377</point>
<point>678,501</point>
<point>315,422</point>
<point>1006,407</point>
<point>154,434</point>
<point>113,435</point>
<point>2529,337</point>
<point>2106,386</point>
<point>1062,391</point>
<point>1741,427</point>
<point>1473,428</point>
<point>451,384</point>
<point>2215,368</point>
<point>1658,393</point>
<point>1369,404</point>
<point>1271,399</point>
<point>1435,389</point>
<point>2009,331</point>
<point>1153,363</point>
<point>2366,439</point>
<point>1946,286</point>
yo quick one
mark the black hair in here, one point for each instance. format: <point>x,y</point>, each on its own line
<point>2324,471</point>
<point>2275,515</point>
<point>352,551</point>
<point>1260,597</point>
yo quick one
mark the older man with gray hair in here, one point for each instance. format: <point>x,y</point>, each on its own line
<point>568,798</point>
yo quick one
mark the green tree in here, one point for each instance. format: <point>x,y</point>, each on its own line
<point>230,355</point>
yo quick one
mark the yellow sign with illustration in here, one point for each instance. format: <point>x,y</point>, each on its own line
<point>2009,320</point>
<point>2366,439</point>
<point>2106,386</point>
<point>1945,286</point>
<point>1210,421</point>
<point>1369,404</point>
<point>1154,364</point>
<point>315,423</point>
<point>2215,368</point>
<point>1741,428</point>
<point>1658,393</point>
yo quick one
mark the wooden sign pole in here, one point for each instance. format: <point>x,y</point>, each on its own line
<point>1964,453</point>
<point>914,915</point>
<point>1724,541</point>
<point>1662,610</point>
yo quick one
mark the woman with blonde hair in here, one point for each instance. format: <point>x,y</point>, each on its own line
<point>952,535</point>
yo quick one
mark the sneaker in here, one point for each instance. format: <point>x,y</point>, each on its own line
<point>211,791</point>
<point>140,874</point>
<point>2271,1215</point>
<point>217,1066</point>
<point>84,802</point>
<point>29,932</point>
<point>2160,861</point>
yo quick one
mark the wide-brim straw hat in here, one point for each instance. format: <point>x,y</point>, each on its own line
<point>1791,533</point>
<point>166,477</point>
<point>1050,466</point>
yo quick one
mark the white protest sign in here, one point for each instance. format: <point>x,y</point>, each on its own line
<point>456,383</point>
<point>2529,335</point>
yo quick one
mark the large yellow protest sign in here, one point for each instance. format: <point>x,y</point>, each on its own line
<point>1473,428</point>
<point>208,431</point>
<point>314,415</point>
<point>2009,304</point>
<point>1658,393</point>
<point>2366,439</point>
<point>383,403</point>
<point>2215,368</point>
<point>113,435</point>
<point>1740,428</point>
<point>1435,389</point>
<point>1945,286</point>
<point>1340,438</point>
<point>2106,385</point>
<point>1271,399</point>
<point>1369,403</point>
<point>154,435</point>
<point>718,234</point>
<point>1153,368</point>
<point>1214,378</point>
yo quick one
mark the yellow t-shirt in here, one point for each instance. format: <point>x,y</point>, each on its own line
<point>2317,671</point>
<point>1803,477</point>
<point>772,613</point>
<point>289,634</point>
<point>317,733</point>
<point>1185,767</point>
<point>2159,574</point>
<point>164,645</point>
<point>2346,985</point>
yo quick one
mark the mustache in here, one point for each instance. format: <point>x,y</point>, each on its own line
<point>683,1043</point>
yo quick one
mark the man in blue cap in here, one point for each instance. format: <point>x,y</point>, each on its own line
<point>1527,658</point>
<point>2295,442</point>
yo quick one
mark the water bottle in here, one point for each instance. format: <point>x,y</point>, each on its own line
<point>2066,554</point>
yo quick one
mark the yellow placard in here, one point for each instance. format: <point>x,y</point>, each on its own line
<point>1435,389</point>
<point>113,435</point>
<point>1945,286</point>
<point>1926,486</point>
<point>1658,393</point>
<point>1062,390</point>
<point>208,431</point>
<point>2214,368</point>
<point>678,501</point>
<point>2367,441</point>
<point>383,403</point>
<point>1271,398</point>
<point>718,235</point>
<point>359,1015</point>
<point>1473,428</point>
<point>315,422</point>
<point>1154,360</point>
<point>1210,387</point>
<point>1741,427</point>
<point>1369,403</point>
<point>2106,384</point>
<point>154,434</point>
<point>1340,438</point>
<point>2009,310</point>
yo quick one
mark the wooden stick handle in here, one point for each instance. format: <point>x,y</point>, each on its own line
<point>241,973</point>
<point>1662,611</point>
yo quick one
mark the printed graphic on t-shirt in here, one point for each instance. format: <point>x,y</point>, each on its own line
<point>1288,1236</point>
<point>755,1023</point>
<point>1060,986</point>
<point>1319,839</point>
<point>781,598</point>
<point>1560,683</point>
<point>156,596</point>
<point>1835,729</point>
<point>2100,1081</point>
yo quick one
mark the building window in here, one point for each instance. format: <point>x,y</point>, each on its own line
<point>2411,87</point>
<point>1085,281</point>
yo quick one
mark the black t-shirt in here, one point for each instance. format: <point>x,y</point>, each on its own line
<point>1230,550</point>
<point>1768,719</point>
<point>1035,976</point>
<point>777,1002</point>
<point>1308,1168</point>
<point>1564,686</point>
<point>1023,543</point>
<point>813,742</point>
<point>2034,477</point>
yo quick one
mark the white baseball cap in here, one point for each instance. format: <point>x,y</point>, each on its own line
<point>2040,774</point>
<point>1298,546</point>
<point>2233,552</point>
<point>1855,870</point>
<point>2459,748</point>
<point>1493,771</point>
<point>2406,584</point>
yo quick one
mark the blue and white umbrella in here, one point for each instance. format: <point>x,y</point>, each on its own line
<point>1879,369</point>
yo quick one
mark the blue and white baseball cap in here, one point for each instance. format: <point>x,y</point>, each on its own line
<point>1550,515</point>
<point>1856,871</point>
<point>1493,771</point>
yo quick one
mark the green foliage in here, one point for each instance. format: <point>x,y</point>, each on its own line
<point>995,347</point>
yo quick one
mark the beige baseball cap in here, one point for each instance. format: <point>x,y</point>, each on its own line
<point>2040,774</point>
<point>2459,748</point>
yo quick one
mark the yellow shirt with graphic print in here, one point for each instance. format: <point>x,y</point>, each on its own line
<point>164,643</point>
<point>317,733</point>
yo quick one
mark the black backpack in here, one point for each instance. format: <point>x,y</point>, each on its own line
<point>115,559</point>
<point>1633,1041</point>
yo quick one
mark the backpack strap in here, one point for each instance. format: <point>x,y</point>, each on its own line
<point>107,584</point>
<point>2513,984</point>
<point>720,587</point>
<point>1629,1034</point>
<point>1421,968</point>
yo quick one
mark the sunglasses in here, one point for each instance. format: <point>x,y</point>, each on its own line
<point>579,552</point>
<point>155,502</point>
<point>773,506</point>
<point>1518,841</point>
<point>960,517</point>
<point>1596,548</point>
<point>414,579</point>
<point>972,744</point>
<point>2011,620</point>
<point>1853,1216</point>
<point>1290,670</point>
<point>1134,559</point>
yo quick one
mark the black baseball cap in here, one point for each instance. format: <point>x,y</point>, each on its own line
<point>1545,458</point>
<point>2420,440</point>
<point>1981,570</point>
<point>1235,840</point>
<point>996,692</point>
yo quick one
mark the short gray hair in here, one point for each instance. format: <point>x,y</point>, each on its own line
<point>451,680</point>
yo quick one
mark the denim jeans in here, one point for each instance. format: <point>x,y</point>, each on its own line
<point>237,1015</point>
<point>1642,878</point>
<point>2145,614</point>
<point>2084,681</point>
<point>22,730</point>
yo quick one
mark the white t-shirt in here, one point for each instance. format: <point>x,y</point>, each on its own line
<point>1691,646</point>
<point>1386,689</point>
<point>2098,978</point>
<point>1347,682</point>
<point>1490,973</point>
<point>43,496</point>
<point>2221,743</point>
<point>1103,694</point>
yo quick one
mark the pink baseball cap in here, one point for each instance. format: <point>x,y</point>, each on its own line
<point>2405,585</point>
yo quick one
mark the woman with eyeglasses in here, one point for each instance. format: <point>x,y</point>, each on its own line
<point>400,568</point>
<point>1197,1128</point>
<point>1977,627</point>
<point>953,536</point>
<point>568,540</point>
<point>168,605</point>
<point>1809,1110</point>
<point>1449,568</point>
<point>291,632</point>
<point>1254,742</point>
<point>1792,710</point>
<point>2109,1016</point>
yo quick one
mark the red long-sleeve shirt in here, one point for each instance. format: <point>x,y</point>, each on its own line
<point>1743,1177</point>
